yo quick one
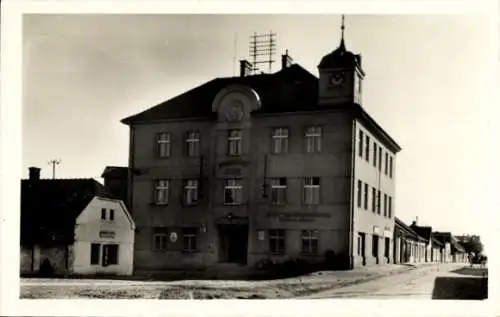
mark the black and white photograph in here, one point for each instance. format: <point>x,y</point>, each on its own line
<point>336,155</point>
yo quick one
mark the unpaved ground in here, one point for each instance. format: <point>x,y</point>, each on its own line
<point>211,289</point>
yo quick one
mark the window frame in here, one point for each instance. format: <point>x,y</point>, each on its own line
<point>361,149</point>
<point>191,233</point>
<point>279,184</point>
<point>365,196</point>
<point>93,259</point>
<point>279,136</point>
<point>375,146</point>
<point>165,189</point>
<point>312,188</point>
<point>193,138</point>
<point>315,134</point>
<point>311,237</point>
<point>278,236</point>
<point>160,142</point>
<point>187,188</point>
<point>367,148</point>
<point>234,141</point>
<point>234,188</point>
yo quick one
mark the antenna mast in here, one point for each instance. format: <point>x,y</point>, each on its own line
<point>262,50</point>
<point>54,162</point>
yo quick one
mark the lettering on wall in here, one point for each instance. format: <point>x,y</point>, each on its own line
<point>107,234</point>
<point>233,171</point>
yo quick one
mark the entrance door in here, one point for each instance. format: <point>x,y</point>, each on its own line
<point>233,243</point>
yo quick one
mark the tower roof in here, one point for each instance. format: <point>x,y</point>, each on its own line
<point>340,57</point>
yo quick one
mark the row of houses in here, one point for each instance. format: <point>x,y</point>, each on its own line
<point>237,171</point>
<point>416,244</point>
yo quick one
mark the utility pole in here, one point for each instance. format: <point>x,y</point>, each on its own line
<point>54,162</point>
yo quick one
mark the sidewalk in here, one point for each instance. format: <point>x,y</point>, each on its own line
<point>208,289</point>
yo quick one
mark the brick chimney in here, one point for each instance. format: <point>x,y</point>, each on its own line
<point>34,173</point>
<point>245,68</point>
<point>286,60</point>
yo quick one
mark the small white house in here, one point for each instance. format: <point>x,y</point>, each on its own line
<point>104,239</point>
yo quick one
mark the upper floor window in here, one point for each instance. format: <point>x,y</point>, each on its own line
<point>365,205</point>
<point>380,158</point>
<point>107,216</point>
<point>390,207</point>
<point>360,143</point>
<point>374,154</point>
<point>277,241</point>
<point>278,191</point>
<point>191,192</point>
<point>193,143</point>
<point>385,205</point>
<point>161,192</point>
<point>111,215</point>
<point>163,144</point>
<point>311,190</point>
<point>374,199</point>
<point>378,202</point>
<point>386,168</point>
<point>189,236</point>
<point>360,185</point>
<point>367,149</point>
<point>313,139</point>
<point>103,213</point>
<point>390,166</point>
<point>280,140</point>
<point>234,142</point>
<point>309,241</point>
<point>233,192</point>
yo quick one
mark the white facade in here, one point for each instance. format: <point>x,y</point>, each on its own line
<point>104,239</point>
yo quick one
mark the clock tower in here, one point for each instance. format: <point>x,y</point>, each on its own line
<point>340,76</point>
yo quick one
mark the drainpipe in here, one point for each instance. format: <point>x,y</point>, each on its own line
<point>351,211</point>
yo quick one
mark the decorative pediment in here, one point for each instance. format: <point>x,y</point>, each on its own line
<point>235,103</point>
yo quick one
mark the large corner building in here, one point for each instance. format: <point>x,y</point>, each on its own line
<point>267,166</point>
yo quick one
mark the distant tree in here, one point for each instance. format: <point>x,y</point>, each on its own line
<point>473,246</point>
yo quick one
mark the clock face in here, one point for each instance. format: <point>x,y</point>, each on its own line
<point>337,79</point>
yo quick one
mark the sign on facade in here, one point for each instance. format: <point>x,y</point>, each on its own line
<point>376,230</point>
<point>107,234</point>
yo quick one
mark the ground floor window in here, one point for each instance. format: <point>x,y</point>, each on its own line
<point>277,241</point>
<point>387,245</point>
<point>189,239</point>
<point>95,249</point>
<point>109,254</point>
<point>361,244</point>
<point>309,241</point>
<point>160,238</point>
<point>375,245</point>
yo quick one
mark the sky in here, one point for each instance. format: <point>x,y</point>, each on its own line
<point>425,82</point>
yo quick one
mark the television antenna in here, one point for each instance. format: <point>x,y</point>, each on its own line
<point>54,162</point>
<point>262,50</point>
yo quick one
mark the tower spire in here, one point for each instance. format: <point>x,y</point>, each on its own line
<point>342,28</point>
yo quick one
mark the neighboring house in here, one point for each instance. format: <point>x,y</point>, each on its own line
<point>437,250</point>
<point>263,166</point>
<point>458,253</point>
<point>431,251</point>
<point>69,226</point>
<point>446,239</point>
<point>116,182</point>
<point>409,247</point>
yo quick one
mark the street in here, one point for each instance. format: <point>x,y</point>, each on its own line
<point>446,281</point>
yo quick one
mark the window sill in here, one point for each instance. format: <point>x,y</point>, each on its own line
<point>158,205</point>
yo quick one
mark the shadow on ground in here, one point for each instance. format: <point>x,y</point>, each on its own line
<point>471,271</point>
<point>467,288</point>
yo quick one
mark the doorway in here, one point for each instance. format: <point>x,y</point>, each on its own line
<point>233,243</point>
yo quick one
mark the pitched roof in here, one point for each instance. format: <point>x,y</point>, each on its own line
<point>292,89</point>
<point>115,172</point>
<point>407,229</point>
<point>424,232</point>
<point>49,208</point>
<point>437,242</point>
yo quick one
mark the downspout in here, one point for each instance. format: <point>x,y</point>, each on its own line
<point>130,182</point>
<point>351,211</point>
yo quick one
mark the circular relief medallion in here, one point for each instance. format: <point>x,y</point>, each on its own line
<point>235,111</point>
<point>173,237</point>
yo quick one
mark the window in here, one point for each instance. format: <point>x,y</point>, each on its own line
<point>163,144</point>
<point>234,142</point>
<point>190,192</point>
<point>374,154</point>
<point>378,202</point>
<point>311,190</point>
<point>277,241</point>
<point>374,201</point>
<point>280,140</point>
<point>111,215</point>
<point>313,139</point>
<point>367,149</point>
<point>361,244</point>
<point>278,191</point>
<point>360,184</point>
<point>233,192</point>
<point>103,214</point>
<point>160,239</point>
<point>365,205</point>
<point>390,167</point>
<point>309,241</point>
<point>375,245</point>
<point>360,143</point>
<point>95,249</point>
<point>385,205</point>
<point>189,239</point>
<point>390,207</point>
<point>380,158</point>
<point>161,192</point>
<point>387,247</point>
<point>109,254</point>
<point>386,163</point>
<point>193,143</point>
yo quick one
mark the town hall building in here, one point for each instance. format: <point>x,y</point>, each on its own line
<point>263,167</point>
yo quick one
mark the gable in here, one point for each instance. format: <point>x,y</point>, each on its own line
<point>92,212</point>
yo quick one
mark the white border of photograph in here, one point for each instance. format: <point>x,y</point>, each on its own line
<point>10,168</point>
